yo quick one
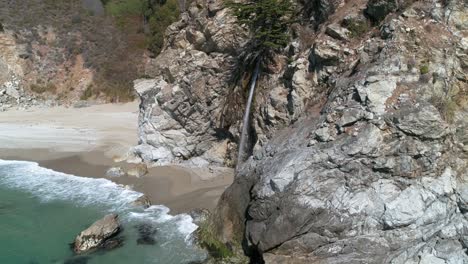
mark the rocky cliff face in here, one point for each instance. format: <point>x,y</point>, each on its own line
<point>370,101</point>
<point>191,112</point>
<point>380,176</point>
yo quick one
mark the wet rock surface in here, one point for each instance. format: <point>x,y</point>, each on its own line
<point>98,235</point>
<point>77,260</point>
<point>142,201</point>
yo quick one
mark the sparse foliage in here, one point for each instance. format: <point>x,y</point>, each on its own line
<point>208,240</point>
<point>42,88</point>
<point>268,21</point>
<point>424,69</point>
<point>159,16</point>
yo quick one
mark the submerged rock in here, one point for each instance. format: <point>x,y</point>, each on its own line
<point>77,260</point>
<point>112,243</point>
<point>97,234</point>
<point>146,234</point>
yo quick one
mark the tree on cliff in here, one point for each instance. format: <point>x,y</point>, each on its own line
<point>159,14</point>
<point>268,22</point>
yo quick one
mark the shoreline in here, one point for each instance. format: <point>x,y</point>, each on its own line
<point>178,188</point>
<point>85,141</point>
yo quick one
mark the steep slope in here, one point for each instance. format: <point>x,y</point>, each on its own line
<point>381,175</point>
<point>192,111</point>
<point>370,101</point>
<point>65,51</point>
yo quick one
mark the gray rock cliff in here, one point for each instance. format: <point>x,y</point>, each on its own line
<point>380,175</point>
<point>359,143</point>
<point>191,109</point>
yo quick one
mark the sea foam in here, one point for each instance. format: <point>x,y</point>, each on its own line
<point>48,186</point>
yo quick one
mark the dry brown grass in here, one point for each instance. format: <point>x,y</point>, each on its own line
<point>306,37</point>
<point>41,88</point>
<point>96,38</point>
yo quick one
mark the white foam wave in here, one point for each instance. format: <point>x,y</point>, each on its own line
<point>160,214</point>
<point>48,185</point>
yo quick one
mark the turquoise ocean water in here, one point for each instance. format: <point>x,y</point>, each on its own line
<point>41,212</point>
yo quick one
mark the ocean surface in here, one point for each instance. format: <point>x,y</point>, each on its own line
<point>42,211</point>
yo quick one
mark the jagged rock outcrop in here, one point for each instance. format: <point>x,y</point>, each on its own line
<point>181,109</point>
<point>11,73</point>
<point>380,176</point>
<point>191,112</point>
<point>98,234</point>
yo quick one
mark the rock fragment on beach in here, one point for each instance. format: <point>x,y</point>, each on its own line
<point>115,172</point>
<point>143,201</point>
<point>138,171</point>
<point>97,234</point>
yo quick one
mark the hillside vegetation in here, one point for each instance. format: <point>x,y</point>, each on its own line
<point>156,16</point>
<point>111,44</point>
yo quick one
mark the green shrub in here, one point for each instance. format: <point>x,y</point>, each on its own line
<point>357,28</point>
<point>268,20</point>
<point>87,93</point>
<point>424,69</point>
<point>207,239</point>
<point>451,101</point>
<point>446,105</point>
<point>159,18</point>
<point>157,14</point>
<point>41,88</point>
<point>122,8</point>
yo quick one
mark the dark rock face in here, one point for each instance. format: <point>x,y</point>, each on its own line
<point>319,10</point>
<point>98,234</point>
<point>380,176</point>
<point>377,10</point>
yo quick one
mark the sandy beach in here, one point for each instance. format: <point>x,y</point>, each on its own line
<point>84,141</point>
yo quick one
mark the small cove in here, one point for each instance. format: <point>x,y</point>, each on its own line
<point>41,211</point>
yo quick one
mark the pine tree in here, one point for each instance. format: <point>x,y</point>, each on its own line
<point>268,21</point>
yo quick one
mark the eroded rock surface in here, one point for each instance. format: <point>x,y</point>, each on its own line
<point>380,176</point>
<point>191,111</point>
<point>98,234</point>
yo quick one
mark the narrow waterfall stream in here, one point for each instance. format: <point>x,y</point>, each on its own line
<point>245,124</point>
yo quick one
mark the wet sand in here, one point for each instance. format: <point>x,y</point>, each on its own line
<point>109,131</point>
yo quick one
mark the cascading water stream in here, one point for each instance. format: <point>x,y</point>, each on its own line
<point>245,124</point>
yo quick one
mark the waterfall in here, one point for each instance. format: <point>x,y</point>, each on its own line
<point>245,124</point>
